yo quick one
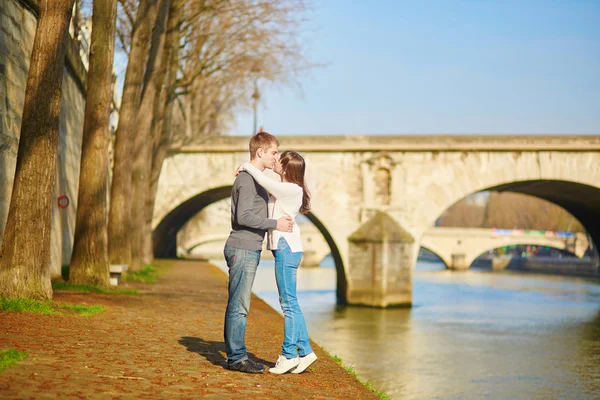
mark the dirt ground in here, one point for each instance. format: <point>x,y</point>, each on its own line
<point>165,342</point>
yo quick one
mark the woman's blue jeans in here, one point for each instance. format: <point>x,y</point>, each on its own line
<point>295,335</point>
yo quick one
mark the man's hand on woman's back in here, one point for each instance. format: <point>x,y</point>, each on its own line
<point>285,224</point>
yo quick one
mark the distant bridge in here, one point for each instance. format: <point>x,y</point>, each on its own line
<point>459,247</point>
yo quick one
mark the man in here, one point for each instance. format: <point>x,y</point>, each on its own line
<point>249,224</point>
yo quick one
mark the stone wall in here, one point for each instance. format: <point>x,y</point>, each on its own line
<point>17,31</point>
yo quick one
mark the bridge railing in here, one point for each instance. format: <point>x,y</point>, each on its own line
<point>530,232</point>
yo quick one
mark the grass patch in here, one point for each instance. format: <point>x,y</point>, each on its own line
<point>58,285</point>
<point>10,357</point>
<point>29,306</point>
<point>147,275</point>
<point>82,310</point>
<point>368,384</point>
<point>150,273</point>
<point>23,305</point>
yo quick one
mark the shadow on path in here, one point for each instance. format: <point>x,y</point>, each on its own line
<point>213,351</point>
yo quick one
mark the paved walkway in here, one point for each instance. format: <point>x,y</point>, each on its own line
<point>165,342</point>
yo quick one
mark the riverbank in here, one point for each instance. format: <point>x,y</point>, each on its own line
<point>164,342</point>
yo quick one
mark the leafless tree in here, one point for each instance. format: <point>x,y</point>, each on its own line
<point>119,225</point>
<point>214,51</point>
<point>89,262</point>
<point>25,256</point>
<point>143,141</point>
<point>510,211</point>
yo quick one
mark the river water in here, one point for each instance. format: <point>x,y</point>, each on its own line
<point>468,335</point>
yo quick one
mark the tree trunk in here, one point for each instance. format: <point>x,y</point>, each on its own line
<point>143,144</point>
<point>25,258</point>
<point>119,222</point>
<point>89,264</point>
<point>162,129</point>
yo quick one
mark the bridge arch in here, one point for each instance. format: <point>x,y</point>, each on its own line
<point>579,199</point>
<point>337,257</point>
<point>164,236</point>
<point>431,247</point>
<point>206,240</point>
<point>521,244</point>
<point>470,259</point>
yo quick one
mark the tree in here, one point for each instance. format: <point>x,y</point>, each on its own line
<point>213,52</point>
<point>143,142</point>
<point>162,126</point>
<point>119,224</point>
<point>229,45</point>
<point>89,263</point>
<point>226,47</point>
<point>468,212</point>
<point>521,211</point>
<point>25,257</point>
<point>509,210</point>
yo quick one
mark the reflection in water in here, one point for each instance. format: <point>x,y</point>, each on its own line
<point>469,335</point>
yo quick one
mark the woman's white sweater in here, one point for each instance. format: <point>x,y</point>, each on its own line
<point>285,199</point>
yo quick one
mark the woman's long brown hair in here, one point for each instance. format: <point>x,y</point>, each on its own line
<point>293,167</point>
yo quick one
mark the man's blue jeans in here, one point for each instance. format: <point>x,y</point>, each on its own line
<point>242,270</point>
<point>295,335</point>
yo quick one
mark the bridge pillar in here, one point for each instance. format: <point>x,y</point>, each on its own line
<point>501,262</point>
<point>380,264</point>
<point>311,258</point>
<point>459,262</point>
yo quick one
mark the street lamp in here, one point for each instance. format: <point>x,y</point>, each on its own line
<point>255,70</point>
<point>255,98</point>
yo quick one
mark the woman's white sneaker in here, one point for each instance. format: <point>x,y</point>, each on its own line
<point>305,362</point>
<point>284,365</point>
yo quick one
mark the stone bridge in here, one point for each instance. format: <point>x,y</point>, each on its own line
<point>459,247</point>
<point>456,247</point>
<point>413,179</point>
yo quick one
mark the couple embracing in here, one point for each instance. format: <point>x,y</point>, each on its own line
<point>262,205</point>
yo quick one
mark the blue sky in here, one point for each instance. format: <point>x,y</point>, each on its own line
<point>473,67</point>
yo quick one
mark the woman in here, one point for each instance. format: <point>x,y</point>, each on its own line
<point>288,197</point>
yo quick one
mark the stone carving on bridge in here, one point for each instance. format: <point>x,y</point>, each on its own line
<point>377,184</point>
<point>383,181</point>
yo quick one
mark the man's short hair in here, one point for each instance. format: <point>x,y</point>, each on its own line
<point>261,140</point>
